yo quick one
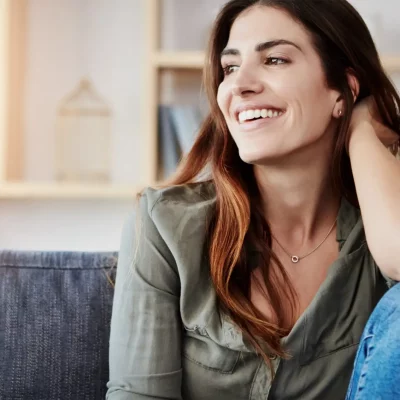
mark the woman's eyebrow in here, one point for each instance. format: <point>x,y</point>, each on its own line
<point>261,47</point>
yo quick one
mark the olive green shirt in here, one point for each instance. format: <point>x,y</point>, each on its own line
<point>169,339</point>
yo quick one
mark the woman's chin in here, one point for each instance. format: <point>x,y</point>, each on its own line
<point>257,157</point>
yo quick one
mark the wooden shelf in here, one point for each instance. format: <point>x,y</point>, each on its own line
<point>391,63</point>
<point>23,190</point>
<point>179,59</point>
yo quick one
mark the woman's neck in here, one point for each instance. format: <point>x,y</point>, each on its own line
<point>299,203</point>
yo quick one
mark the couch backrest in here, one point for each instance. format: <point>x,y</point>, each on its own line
<point>55,312</point>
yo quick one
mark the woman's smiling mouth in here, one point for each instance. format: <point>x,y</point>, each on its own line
<point>256,114</point>
<point>253,119</point>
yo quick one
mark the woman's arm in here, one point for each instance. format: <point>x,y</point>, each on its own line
<point>145,342</point>
<point>377,178</point>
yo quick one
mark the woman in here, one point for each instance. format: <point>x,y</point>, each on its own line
<point>259,281</point>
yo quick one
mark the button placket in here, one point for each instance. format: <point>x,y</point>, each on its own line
<point>263,380</point>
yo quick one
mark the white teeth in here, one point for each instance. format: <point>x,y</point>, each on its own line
<point>242,116</point>
<point>264,113</point>
<point>249,114</point>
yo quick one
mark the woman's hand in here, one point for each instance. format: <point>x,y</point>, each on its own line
<point>366,112</point>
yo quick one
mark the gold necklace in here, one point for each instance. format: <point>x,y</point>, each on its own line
<point>296,259</point>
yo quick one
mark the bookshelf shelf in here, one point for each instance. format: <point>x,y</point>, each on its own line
<point>23,190</point>
<point>391,63</point>
<point>179,60</point>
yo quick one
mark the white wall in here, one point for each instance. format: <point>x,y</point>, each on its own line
<point>388,14</point>
<point>103,38</point>
<point>62,225</point>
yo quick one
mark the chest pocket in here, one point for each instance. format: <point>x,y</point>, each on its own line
<point>204,352</point>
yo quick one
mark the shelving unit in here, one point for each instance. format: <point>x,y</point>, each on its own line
<point>159,60</point>
<point>13,14</point>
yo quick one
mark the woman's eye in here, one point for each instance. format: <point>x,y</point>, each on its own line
<point>275,61</point>
<point>228,69</point>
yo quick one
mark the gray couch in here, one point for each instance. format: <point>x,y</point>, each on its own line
<point>55,311</point>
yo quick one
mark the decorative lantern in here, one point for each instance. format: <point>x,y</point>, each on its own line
<point>83,136</point>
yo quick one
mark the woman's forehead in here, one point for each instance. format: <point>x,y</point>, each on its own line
<point>262,23</point>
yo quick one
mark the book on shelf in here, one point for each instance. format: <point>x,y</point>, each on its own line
<point>169,153</point>
<point>177,128</point>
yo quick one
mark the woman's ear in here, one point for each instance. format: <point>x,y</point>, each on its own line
<point>338,109</point>
<point>353,83</point>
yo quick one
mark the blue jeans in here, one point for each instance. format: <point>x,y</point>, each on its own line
<point>376,373</point>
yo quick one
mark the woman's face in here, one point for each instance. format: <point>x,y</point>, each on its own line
<point>274,96</point>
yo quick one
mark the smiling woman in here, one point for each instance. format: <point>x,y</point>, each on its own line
<point>258,281</point>
<point>282,75</point>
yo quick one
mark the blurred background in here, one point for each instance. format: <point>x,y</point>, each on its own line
<point>99,98</point>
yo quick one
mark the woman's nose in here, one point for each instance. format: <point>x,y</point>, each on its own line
<point>246,82</point>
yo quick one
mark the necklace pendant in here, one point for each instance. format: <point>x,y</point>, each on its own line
<point>295,259</point>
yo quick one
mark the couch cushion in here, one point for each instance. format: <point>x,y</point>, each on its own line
<point>55,311</point>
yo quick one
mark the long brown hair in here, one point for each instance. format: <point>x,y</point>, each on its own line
<point>343,43</point>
